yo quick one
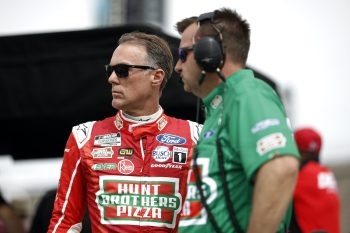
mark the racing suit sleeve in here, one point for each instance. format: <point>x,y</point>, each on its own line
<point>70,202</point>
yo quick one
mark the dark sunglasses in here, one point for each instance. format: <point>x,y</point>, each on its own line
<point>122,70</point>
<point>183,52</point>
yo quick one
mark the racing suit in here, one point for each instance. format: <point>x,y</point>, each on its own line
<point>131,175</point>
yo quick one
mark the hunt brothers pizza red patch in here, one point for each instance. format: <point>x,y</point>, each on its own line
<point>145,201</point>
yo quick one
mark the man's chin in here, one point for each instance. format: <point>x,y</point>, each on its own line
<point>116,105</point>
<point>186,88</point>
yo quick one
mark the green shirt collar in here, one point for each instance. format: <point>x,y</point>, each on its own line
<point>212,100</point>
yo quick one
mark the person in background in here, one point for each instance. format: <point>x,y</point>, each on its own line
<point>246,161</point>
<point>9,220</point>
<point>130,169</point>
<point>316,198</point>
<point>42,215</point>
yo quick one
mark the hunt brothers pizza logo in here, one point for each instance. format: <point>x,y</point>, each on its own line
<point>146,201</point>
<point>193,213</point>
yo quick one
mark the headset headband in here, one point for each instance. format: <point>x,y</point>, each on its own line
<point>206,16</point>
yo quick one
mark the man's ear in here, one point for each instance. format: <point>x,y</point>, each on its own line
<point>158,77</point>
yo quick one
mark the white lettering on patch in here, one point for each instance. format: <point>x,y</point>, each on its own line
<point>326,180</point>
<point>264,124</point>
<point>270,142</point>
<point>99,153</point>
<point>125,166</point>
<point>142,201</point>
<point>113,139</point>
<point>161,153</point>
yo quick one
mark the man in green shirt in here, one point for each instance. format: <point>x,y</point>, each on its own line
<point>246,159</point>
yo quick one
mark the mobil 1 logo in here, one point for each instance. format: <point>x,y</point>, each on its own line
<point>180,154</point>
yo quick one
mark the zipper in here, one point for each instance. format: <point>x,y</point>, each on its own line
<point>142,153</point>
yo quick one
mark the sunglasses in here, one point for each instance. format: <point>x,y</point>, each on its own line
<point>183,52</point>
<point>122,70</point>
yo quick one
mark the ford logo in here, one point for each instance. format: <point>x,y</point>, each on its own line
<point>170,139</point>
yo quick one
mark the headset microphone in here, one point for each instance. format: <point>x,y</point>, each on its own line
<point>201,79</point>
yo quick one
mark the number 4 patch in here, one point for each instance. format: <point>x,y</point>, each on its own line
<point>180,154</point>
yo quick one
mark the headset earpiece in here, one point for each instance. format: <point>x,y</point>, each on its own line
<point>208,54</point>
<point>208,51</point>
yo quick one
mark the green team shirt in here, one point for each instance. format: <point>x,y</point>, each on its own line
<point>254,129</point>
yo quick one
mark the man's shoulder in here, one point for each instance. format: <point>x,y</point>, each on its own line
<point>175,119</point>
<point>192,127</point>
<point>97,121</point>
<point>84,132</point>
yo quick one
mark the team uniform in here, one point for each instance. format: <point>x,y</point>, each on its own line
<point>316,199</point>
<point>253,130</point>
<point>132,175</point>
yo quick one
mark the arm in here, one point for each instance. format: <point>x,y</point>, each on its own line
<point>70,200</point>
<point>273,191</point>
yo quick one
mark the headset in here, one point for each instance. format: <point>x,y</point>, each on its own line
<point>208,50</point>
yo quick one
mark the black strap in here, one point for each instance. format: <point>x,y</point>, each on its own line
<point>201,194</point>
<point>228,200</point>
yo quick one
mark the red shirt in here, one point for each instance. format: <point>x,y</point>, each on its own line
<point>316,199</point>
<point>132,176</point>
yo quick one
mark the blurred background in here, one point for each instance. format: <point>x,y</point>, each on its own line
<point>51,75</point>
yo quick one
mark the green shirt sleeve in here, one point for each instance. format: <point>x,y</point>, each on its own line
<point>263,130</point>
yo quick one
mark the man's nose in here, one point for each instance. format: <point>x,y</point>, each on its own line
<point>113,78</point>
<point>178,67</point>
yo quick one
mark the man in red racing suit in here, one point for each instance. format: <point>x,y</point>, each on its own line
<point>130,170</point>
<point>131,175</point>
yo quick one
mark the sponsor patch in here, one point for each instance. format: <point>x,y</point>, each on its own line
<point>101,153</point>
<point>216,101</point>
<point>193,213</point>
<point>264,124</point>
<point>166,165</point>
<point>270,142</point>
<point>82,132</point>
<point>208,134</point>
<point>141,201</point>
<point>161,154</point>
<point>118,122</point>
<point>170,139</point>
<point>125,166</point>
<point>113,139</point>
<point>180,154</point>
<point>126,151</point>
<point>104,166</point>
<point>162,122</point>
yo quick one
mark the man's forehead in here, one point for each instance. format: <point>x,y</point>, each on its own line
<point>188,34</point>
<point>129,53</point>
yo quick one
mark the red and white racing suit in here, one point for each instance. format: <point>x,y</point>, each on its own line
<point>132,176</point>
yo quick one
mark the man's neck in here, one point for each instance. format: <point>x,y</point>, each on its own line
<point>213,80</point>
<point>144,118</point>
